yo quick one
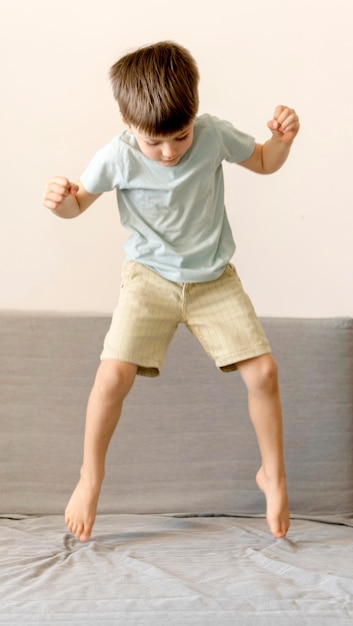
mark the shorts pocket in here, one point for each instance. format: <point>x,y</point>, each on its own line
<point>127,272</point>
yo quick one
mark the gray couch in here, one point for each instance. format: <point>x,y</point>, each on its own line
<point>180,537</point>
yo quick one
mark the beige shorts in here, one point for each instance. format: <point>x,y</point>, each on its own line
<point>150,307</point>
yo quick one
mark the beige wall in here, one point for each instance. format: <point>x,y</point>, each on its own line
<point>293,230</point>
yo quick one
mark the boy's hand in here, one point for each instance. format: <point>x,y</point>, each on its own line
<point>285,124</point>
<point>57,191</point>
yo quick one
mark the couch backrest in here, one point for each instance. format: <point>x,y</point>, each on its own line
<point>184,444</point>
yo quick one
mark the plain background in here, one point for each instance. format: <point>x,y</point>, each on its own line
<point>293,230</point>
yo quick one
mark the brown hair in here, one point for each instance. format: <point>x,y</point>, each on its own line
<point>156,88</point>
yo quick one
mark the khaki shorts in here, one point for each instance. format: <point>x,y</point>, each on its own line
<point>150,307</point>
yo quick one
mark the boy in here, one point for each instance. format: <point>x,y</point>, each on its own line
<point>166,168</point>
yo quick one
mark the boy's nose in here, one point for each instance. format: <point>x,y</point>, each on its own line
<point>168,150</point>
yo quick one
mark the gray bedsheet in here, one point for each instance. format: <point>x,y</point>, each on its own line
<point>154,570</point>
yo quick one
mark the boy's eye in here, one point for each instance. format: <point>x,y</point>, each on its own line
<point>157,143</point>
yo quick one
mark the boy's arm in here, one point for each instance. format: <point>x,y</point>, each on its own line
<point>67,199</point>
<point>270,156</point>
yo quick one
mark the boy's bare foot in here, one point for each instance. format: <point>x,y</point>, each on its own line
<point>277,513</point>
<point>80,512</point>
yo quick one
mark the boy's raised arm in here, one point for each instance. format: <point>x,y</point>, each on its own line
<point>270,156</point>
<point>67,199</point>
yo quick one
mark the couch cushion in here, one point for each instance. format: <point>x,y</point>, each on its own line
<point>184,444</point>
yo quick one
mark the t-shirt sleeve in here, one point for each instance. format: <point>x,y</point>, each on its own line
<point>237,145</point>
<point>105,170</point>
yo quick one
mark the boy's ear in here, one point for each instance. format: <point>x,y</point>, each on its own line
<point>125,122</point>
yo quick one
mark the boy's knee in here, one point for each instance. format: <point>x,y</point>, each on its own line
<point>114,379</point>
<point>268,376</point>
<point>261,374</point>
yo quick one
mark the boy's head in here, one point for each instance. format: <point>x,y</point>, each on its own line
<point>156,88</point>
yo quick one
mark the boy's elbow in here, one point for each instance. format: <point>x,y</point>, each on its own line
<point>258,163</point>
<point>266,166</point>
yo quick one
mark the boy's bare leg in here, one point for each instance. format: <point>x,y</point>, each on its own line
<point>113,382</point>
<point>260,377</point>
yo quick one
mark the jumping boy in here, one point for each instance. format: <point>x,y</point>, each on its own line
<point>166,168</point>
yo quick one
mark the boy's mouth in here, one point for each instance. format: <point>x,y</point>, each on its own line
<point>170,161</point>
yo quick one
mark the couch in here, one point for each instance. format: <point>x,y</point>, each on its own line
<point>181,537</point>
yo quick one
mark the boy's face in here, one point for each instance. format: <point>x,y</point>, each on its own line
<point>167,150</point>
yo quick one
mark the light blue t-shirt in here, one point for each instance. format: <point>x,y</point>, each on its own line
<point>176,214</point>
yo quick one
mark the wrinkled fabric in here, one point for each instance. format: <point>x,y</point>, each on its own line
<point>152,570</point>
